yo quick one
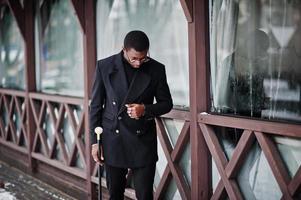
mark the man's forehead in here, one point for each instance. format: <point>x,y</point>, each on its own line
<point>136,53</point>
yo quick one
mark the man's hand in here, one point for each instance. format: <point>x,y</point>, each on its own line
<point>135,110</point>
<point>96,157</point>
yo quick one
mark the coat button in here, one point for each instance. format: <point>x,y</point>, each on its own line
<point>138,131</point>
<point>114,103</point>
<point>116,131</point>
<point>119,118</point>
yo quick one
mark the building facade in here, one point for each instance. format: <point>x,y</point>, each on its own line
<point>233,67</point>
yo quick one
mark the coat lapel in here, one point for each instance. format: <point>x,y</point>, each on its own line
<point>139,83</point>
<point>118,79</point>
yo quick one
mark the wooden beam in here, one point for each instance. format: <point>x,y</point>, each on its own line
<point>188,9</point>
<point>177,174</point>
<point>30,78</point>
<point>283,129</point>
<point>276,164</point>
<point>89,68</point>
<point>19,14</point>
<point>221,162</point>
<point>57,98</point>
<point>240,153</point>
<point>201,176</point>
<point>181,143</point>
<point>164,182</point>
<point>178,114</point>
<point>295,184</point>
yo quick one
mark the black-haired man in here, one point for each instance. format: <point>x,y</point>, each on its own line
<point>124,89</point>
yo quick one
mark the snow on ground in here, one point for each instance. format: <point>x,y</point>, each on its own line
<point>4,195</point>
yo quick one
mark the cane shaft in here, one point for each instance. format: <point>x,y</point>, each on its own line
<point>99,173</point>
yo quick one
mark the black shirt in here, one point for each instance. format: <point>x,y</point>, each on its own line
<point>129,70</point>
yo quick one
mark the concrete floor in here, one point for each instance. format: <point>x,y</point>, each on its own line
<point>20,186</point>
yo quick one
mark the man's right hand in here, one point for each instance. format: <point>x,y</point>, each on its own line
<point>95,156</point>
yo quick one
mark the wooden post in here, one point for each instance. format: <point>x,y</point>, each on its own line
<point>30,74</point>
<point>199,99</point>
<point>89,67</point>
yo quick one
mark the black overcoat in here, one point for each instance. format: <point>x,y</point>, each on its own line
<point>128,142</point>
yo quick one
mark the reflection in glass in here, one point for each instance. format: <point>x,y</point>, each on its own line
<point>255,58</point>
<point>48,127</point>
<point>173,129</point>
<point>172,192</point>
<point>185,164</point>
<point>165,24</point>
<point>58,153</point>
<point>68,134</point>
<point>17,122</point>
<point>290,151</point>
<point>59,49</point>
<point>255,178</point>
<point>78,162</point>
<point>4,115</point>
<point>12,47</point>
<point>161,165</point>
<point>215,175</point>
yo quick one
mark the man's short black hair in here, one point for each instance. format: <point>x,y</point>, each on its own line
<point>137,40</point>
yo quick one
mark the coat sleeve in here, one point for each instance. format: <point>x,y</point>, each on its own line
<point>97,102</point>
<point>163,98</point>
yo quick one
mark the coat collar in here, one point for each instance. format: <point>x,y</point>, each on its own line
<point>127,93</point>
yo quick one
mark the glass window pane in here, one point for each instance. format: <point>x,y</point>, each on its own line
<point>59,49</point>
<point>290,151</point>
<point>255,177</point>
<point>255,57</point>
<point>165,24</point>
<point>12,49</point>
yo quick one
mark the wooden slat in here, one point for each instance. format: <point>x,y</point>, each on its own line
<point>221,161</point>
<point>295,184</point>
<point>12,92</point>
<point>14,146</point>
<point>240,153</point>
<point>276,164</point>
<point>187,8</point>
<point>164,182</point>
<point>71,170</point>
<point>166,146</point>
<point>59,137</point>
<point>177,174</point>
<point>181,143</point>
<point>220,192</point>
<point>284,129</point>
<point>178,114</point>
<point>57,98</point>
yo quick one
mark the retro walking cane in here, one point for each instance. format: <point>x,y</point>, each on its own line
<point>98,132</point>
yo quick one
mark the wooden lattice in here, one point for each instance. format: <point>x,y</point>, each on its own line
<point>173,156</point>
<point>58,111</point>
<point>227,186</point>
<point>12,108</point>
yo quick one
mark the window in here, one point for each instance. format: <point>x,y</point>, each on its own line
<point>255,58</point>
<point>59,49</point>
<point>165,24</point>
<point>12,49</point>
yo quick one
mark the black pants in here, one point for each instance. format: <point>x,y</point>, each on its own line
<point>143,181</point>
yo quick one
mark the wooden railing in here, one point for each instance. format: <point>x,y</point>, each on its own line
<point>262,132</point>
<point>13,131</point>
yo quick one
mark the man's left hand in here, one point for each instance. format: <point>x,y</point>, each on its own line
<point>135,111</point>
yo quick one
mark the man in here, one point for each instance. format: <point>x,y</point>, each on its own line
<point>122,103</point>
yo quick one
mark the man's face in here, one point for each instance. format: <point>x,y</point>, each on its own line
<point>135,58</point>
